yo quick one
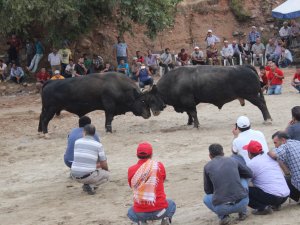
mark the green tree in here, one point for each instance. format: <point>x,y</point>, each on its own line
<point>67,19</point>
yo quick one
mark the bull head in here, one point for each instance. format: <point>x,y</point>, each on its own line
<point>154,100</point>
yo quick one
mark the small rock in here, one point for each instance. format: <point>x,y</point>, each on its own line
<point>2,88</point>
<point>271,26</point>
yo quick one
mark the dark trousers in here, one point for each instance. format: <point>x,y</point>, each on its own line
<point>294,192</point>
<point>14,79</point>
<point>166,67</point>
<point>194,62</point>
<point>63,68</point>
<point>258,199</point>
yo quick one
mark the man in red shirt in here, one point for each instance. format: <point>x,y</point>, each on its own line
<point>296,79</point>
<point>183,58</point>
<point>41,78</point>
<point>146,179</point>
<point>275,79</point>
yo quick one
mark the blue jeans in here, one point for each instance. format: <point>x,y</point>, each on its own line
<point>298,86</point>
<point>285,63</point>
<point>156,215</point>
<point>274,89</point>
<point>146,82</point>
<point>35,62</point>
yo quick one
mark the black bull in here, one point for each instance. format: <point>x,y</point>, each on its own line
<point>112,92</point>
<point>185,87</point>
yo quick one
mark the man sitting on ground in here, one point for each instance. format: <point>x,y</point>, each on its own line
<point>84,169</point>
<point>269,186</point>
<point>222,184</point>
<point>3,71</point>
<point>123,67</point>
<point>16,73</point>
<point>293,129</point>
<point>275,79</point>
<point>296,79</point>
<point>197,57</point>
<point>287,153</point>
<point>57,76</point>
<point>144,76</point>
<point>285,58</point>
<point>146,179</point>
<point>166,61</point>
<point>151,62</point>
<point>183,58</point>
<point>70,69</point>
<point>41,78</point>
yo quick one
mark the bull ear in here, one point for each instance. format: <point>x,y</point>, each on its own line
<point>154,89</point>
<point>136,94</point>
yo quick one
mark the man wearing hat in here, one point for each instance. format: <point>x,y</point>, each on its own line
<point>146,179</point>
<point>269,189</point>
<point>197,57</point>
<point>243,133</point>
<point>253,35</point>
<point>285,33</point>
<point>57,76</point>
<point>211,38</point>
<point>227,53</point>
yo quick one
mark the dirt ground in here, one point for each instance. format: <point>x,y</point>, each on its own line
<point>35,187</point>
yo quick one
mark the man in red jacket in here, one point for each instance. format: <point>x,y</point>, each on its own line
<point>146,179</point>
<point>275,78</point>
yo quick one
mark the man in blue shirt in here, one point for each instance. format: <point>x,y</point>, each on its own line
<point>16,73</point>
<point>253,35</point>
<point>144,76</point>
<point>123,67</point>
<point>74,135</point>
<point>121,50</point>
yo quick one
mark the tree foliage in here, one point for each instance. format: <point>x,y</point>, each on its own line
<point>67,19</point>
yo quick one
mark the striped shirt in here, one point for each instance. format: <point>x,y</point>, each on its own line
<point>86,153</point>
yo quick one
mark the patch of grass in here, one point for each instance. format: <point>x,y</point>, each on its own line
<point>239,12</point>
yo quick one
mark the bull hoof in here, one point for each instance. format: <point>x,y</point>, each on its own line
<point>46,136</point>
<point>108,130</point>
<point>267,122</point>
<point>196,126</point>
<point>40,134</point>
<point>190,123</point>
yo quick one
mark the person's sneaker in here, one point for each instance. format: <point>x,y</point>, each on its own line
<point>87,188</point>
<point>225,220</point>
<point>242,216</point>
<point>267,210</point>
<point>165,221</point>
<point>276,207</point>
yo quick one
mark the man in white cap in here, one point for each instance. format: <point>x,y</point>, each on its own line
<point>253,35</point>
<point>227,53</point>
<point>57,76</point>
<point>197,56</point>
<point>211,38</point>
<point>243,134</point>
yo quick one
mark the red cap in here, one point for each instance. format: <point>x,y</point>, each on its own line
<point>253,147</point>
<point>144,149</point>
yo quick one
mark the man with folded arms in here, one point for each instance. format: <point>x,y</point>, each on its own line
<point>84,168</point>
<point>146,179</point>
<point>270,189</point>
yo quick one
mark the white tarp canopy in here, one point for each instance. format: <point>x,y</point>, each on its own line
<point>287,10</point>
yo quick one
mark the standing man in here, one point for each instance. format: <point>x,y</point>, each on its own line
<point>252,36</point>
<point>222,184</point>
<point>66,55</point>
<point>54,59</point>
<point>121,50</point>
<point>84,169</point>
<point>287,152</point>
<point>243,134</point>
<point>275,79</point>
<point>166,60</point>
<point>14,47</point>
<point>73,136</point>
<point>39,51</point>
<point>285,33</point>
<point>269,188</point>
<point>146,179</point>
<point>293,129</point>
<point>211,38</point>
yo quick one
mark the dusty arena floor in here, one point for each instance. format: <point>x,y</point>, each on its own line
<point>35,188</point>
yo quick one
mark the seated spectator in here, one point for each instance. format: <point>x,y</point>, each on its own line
<point>73,136</point>
<point>295,32</point>
<point>236,51</point>
<point>80,69</point>
<point>140,57</point>
<point>245,51</point>
<point>263,74</point>
<point>269,186</point>
<point>270,49</point>
<point>183,58</point>
<point>41,78</point>
<point>151,62</point>
<point>285,58</point>
<point>70,69</point>
<point>227,53</point>
<point>108,68</point>
<point>222,185</point>
<point>3,71</point>
<point>285,33</point>
<point>123,67</point>
<point>277,52</point>
<point>293,129</point>
<point>144,76</point>
<point>287,153</point>
<point>296,79</point>
<point>275,79</point>
<point>135,67</point>
<point>252,36</point>
<point>54,58</point>
<point>212,55</point>
<point>211,38</point>
<point>258,50</point>
<point>97,64</point>
<point>57,76</point>
<point>197,57</point>
<point>16,73</point>
<point>87,63</point>
<point>150,175</point>
<point>166,61</point>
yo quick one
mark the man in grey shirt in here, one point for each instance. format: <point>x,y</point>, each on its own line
<point>222,184</point>
<point>293,130</point>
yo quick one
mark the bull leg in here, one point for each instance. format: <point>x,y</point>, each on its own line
<point>190,121</point>
<point>261,104</point>
<point>47,116</point>
<point>108,120</point>
<point>40,122</point>
<point>242,101</point>
<point>193,113</point>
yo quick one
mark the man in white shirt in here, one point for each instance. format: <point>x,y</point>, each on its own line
<point>211,38</point>
<point>258,50</point>
<point>269,189</point>
<point>166,61</point>
<point>285,58</point>
<point>3,70</point>
<point>285,33</point>
<point>70,69</point>
<point>227,53</point>
<point>54,59</point>
<point>243,134</point>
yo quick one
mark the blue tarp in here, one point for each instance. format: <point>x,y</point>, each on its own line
<point>287,10</point>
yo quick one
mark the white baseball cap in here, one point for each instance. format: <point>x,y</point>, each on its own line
<point>196,47</point>
<point>56,72</point>
<point>209,31</point>
<point>243,122</point>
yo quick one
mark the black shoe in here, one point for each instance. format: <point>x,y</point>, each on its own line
<point>276,207</point>
<point>242,216</point>
<point>225,220</point>
<point>87,188</point>
<point>267,210</point>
